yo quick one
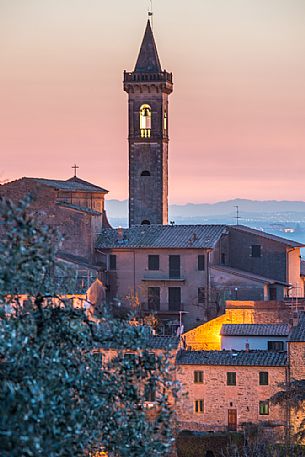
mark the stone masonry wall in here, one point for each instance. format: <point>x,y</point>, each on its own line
<point>296,354</point>
<point>74,225</point>
<point>219,398</point>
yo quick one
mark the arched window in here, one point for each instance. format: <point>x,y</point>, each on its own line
<point>145,222</point>
<point>145,121</point>
<point>145,173</point>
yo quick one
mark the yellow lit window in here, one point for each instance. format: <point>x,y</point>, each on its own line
<point>165,121</point>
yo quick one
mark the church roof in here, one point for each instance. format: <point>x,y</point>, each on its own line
<point>148,59</point>
<point>73,184</point>
<point>162,236</point>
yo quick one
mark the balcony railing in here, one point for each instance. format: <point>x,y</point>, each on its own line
<point>152,276</point>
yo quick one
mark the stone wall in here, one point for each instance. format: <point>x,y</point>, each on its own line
<point>296,354</point>
<point>219,398</point>
<point>77,227</point>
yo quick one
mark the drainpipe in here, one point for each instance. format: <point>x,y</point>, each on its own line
<point>287,264</point>
<point>134,273</point>
<point>288,412</point>
<point>207,299</point>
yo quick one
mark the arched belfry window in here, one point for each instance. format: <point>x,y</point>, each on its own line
<point>145,173</point>
<point>145,121</point>
<point>145,222</point>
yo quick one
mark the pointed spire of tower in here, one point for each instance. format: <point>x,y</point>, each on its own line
<point>148,59</point>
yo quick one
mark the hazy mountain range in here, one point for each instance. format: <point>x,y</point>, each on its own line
<point>119,209</point>
<point>282,218</point>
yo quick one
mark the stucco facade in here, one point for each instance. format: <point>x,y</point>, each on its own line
<point>132,280</point>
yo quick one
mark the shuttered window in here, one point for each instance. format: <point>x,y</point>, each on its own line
<point>174,298</point>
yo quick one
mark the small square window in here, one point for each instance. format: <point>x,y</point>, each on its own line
<point>199,406</point>
<point>263,378</point>
<point>231,378</point>
<point>153,262</point>
<point>198,377</point>
<point>256,250</point>
<point>201,263</point>
<point>264,408</point>
<point>112,262</point>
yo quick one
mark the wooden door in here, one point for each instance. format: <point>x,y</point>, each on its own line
<point>232,420</point>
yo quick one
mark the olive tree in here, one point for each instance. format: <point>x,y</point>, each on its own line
<point>60,392</point>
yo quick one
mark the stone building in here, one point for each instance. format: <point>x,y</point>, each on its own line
<point>148,88</point>
<point>226,389</point>
<point>74,207</point>
<point>296,351</point>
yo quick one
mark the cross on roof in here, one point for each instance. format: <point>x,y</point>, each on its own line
<point>75,168</point>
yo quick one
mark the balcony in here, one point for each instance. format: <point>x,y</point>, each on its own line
<point>153,276</point>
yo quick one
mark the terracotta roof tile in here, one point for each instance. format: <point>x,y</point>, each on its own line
<point>232,358</point>
<point>279,239</point>
<point>255,330</point>
<point>162,236</point>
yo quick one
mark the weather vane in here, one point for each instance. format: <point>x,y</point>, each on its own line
<point>75,167</point>
<point>150,12</point>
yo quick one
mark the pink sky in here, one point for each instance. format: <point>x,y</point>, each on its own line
<point>237,114</point>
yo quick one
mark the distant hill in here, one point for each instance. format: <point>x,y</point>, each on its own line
<point>119,209</point>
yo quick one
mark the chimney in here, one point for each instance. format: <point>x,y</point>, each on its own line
<point>120,234</point>
<point>294,320</point>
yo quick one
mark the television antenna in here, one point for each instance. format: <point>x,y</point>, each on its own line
<point>237,214</point>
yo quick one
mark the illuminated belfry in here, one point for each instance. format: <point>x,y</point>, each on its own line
<point>148,88</point>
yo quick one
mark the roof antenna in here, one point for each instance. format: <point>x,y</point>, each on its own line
<point>150,13</point>
<point>237,214</point>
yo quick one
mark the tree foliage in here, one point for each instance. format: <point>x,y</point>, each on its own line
<point>292,397</point>
<point>61,394</point>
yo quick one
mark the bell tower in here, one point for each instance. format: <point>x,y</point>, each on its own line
<point>148,88</point>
